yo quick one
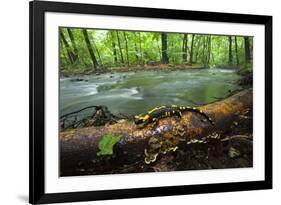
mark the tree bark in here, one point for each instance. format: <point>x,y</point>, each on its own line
<point>120,48</point>
<point>79,147</point>
<point>72,39</point>
<point>230,51</point>
<point>97,50</point>
<point>90,49</point>
<point>165,58</point>
<point>247,49</point>
<point>209,50</point>
<point>236,51</point>
<point>136,48</point>
<point>127,50</point>
<point>191,49</point>
<point>197,46</point>
<point>115,60</point>
<point>67,46</point>
<point>184,48</point>
<point>140,41</point>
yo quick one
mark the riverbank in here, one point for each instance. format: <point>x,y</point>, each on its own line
<point>67,72</point>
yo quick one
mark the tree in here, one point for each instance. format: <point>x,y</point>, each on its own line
<point>72,39</point>
<point>209,49</point>
<point>247,49</point>
<point>165,58</point>
<point>67,46</point>
<point>120,48</point>
<point>97,50</point>
<point>140,37</point>
<point>236,51</point>
<point>113,47</point>
<point>126,44</point>
<point>191,49</point>
<point>230,51</point>
<point>90,49</point>
<point>184,48</point>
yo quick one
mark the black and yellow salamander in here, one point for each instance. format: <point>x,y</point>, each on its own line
<point>153,116</point>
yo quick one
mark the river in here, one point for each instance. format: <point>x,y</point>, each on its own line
<point>131,93</point>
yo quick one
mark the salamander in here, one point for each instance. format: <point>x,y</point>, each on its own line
<point>153,116</point>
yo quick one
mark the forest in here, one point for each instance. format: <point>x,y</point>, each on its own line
<point>97,50</point>
<point>135,101</point>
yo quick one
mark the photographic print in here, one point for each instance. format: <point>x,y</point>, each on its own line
<point>145,101</point>
<point>129,102</point>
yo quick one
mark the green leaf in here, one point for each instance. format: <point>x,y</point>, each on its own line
<point>106,144</point>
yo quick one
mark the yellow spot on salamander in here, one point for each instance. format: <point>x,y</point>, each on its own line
<point>146,117</point>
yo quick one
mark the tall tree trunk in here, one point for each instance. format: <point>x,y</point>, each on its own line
<point>191,49</point>
<point>230,51</point>
<point>127,51</point>
<point>114,48</point>
<point>72,39</point>
<point>137,52</point>
<point>90,49</point>
<point>236,51</point>
<point>247,49</point>
<point>140,47</point>
<point>165,58</point>
<point>204,50</point>
<point>120,48</point>
<point>209,49</point>
<point>68,49</point>
<point>197,48</point>
<point>97,50</point>
<point>64,55</point>
<point>184,48</point>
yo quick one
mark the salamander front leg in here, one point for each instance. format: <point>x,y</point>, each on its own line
<point>178,115</point>
<point>155,123</point>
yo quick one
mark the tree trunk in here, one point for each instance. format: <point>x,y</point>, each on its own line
<point>64,55</point>
<point>90,49</point>
<point>127,51</point>
<point>204,50</point>
<point>79,147</point>
<point>247,49</point>
<point>136,48</point>
<point>115,60</point>
<point>209,50</point>
<point>197,48</point>
<point>97,50</point>
<point>68,49</point>
<point>120,48</point>
<point>236,51</point>
<point>230,51</point>
<point>184,48</point>
<point>165,58</point>
<point>72,39</point>
<point>140,47</point>
<point>191,49</point>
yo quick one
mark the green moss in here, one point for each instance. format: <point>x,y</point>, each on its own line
<point>106,144</point>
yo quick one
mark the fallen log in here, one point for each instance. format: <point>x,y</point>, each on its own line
<point>80,148</point>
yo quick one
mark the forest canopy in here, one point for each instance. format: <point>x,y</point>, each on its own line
<point>97,50</point>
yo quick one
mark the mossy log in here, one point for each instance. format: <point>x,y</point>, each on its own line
<point>79,147</point>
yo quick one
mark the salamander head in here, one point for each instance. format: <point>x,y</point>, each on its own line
<point>140,119</point>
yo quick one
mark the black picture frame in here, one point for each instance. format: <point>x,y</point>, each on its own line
<point>37,10</point>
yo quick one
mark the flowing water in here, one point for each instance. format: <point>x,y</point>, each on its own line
<point>131,93</point>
